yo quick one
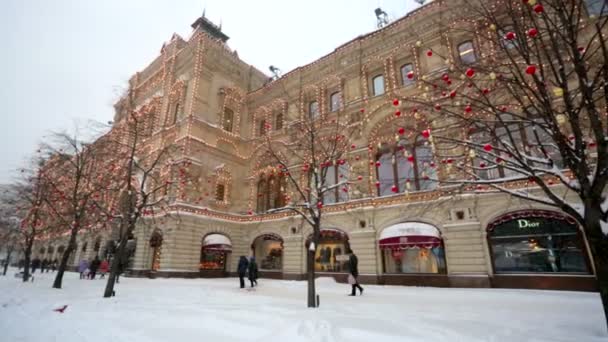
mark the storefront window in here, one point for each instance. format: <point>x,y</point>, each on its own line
<point>268,251</point>
<point>412,247</point>
<point>537,242</point>
<point>214,252</point>
<point>331,251</point>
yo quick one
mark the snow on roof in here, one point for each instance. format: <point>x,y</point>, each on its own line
<point>410,229</point>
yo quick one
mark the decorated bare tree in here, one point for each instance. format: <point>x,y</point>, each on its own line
<point>75,179</point>
<point>313,169</point>
<point>520,107</point>
<point>145,174</point>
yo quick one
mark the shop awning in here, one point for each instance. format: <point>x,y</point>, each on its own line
<point>410,235</point>
<point>217,242</point>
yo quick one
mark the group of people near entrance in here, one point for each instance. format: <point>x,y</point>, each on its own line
<point>89,270</point>
<point>248,267</point>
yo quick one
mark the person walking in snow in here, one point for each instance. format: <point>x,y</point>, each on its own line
<point>242,269</point>
<point>44,265</point>
<point>35,265</point>
<point>104,267</point>
<point>54,265</point>
<point>353,268</point>
<point>253,272</point>
<point>83,265</point>
<point>94,267</point>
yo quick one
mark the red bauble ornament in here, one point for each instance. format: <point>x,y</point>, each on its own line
<point>470,72</point>
<point>342,162</point>
<point>487,147</point>
<point>468,109</point>
<point>438,107</point>
<point>398,113</point>
<point>486,91</point>
<point>592,144</point>
<point>359,177</point>
<point>539,8</point>
<point>377,184</point>
<point>394,188</point>
<point>510,35</point>
<point>319,205</point>
<point>410,158</point>
<point>449,161</point>
<point>362,110</point>
<point>432,164</point>
<point>453,94</point>
<point>581,49</point>
<point>410,75</point>
<point>345,189</point>
<point>377,164</point>
<point>426,133</point>
<point>250,212</point>
<point>533,32</point>
<point>429,53</point>
<point>395,102</point>
<point>357,157</point>
<point>482,165</point>
<point>353,146</point>
<point>498,160</point>
<point>445,77</point>
<point>531,69</point>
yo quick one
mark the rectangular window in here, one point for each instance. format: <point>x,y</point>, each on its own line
<point>407,75</point>
<point>228,119</point>
<point>597,7</point>
<point>378,85</point>
<point>220,192</point>
<point>335,101</point>
<point>278,122</point>
<point>313,109</point>
<point>262,130</point>
<point>466,51</point>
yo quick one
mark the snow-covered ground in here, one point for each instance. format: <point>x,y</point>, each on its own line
<point>182,310</point>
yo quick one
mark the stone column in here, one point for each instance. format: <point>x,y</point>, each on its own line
<point>294,257</point>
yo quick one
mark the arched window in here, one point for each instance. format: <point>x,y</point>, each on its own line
<point>335,101</point>
<point>378,85</point>
<point>268,251</point>
<point>405,167</point>
<point>537,241</point>
<point>466,52</point>
<point>227,121</point>
<point>156,243</point>
<point>405,70</point>
<point>412,247</point>
<point>334,175</point>
<point>220,192</point>
<point>262,130</point>
<point>262,196</point>
<point>215,251</point>
<point>278,122</point>
<point>174,113</point>
<point>313,109</point>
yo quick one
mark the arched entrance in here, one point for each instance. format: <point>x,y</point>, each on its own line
<point>537,241</point>
<point>156,243</point>
<point>412,247</point>
<point>268,251</point>
<point>215,255</point>
<point>331,251</point>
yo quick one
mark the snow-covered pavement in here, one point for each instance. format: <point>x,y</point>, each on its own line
<point>183,310</point>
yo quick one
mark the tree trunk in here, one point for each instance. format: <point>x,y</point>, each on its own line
<point>8,260</point>
<point>64,262</point>
<point>599,251</point>
<point>116,266</point>
<point>26,260</point>
<point>312,303</point>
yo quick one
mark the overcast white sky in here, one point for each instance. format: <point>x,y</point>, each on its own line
<point>65,59</point>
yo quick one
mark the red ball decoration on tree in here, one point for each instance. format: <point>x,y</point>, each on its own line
<point>445,77</point>
<point>485,91</point>
<point>533,32</point>
<point>377,184</point>
<point>510,35</point>
<point>345,189</point>
<point>429,53</point>
<point>410,75</point>
<point>319,205</point>
<point>394,188</point>
<point>398,113</point>
<point>426,133</point>
<point>353,146</point>
<point>378,164</point>
<point>468,109</point>
<point>362,110</point>
<point>401,131</point>
<point>470,72</point>
<point>359,177</point>
<point>482,165</point>
<point>531,69</point>
<point>539,9</point>
<point>395,102</point>
<point>453,94</point>
<point>438,106</point>
<point>250,212</point>
<point>410,158</point>
<point>488,147</point>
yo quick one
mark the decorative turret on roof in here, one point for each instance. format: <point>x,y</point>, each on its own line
<point>204,24</point>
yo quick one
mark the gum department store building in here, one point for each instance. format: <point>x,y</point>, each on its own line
<point>199,94</point>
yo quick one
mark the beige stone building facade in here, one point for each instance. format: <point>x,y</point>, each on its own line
<point>199,94</point>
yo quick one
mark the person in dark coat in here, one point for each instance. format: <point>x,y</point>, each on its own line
<point>353,266</point>
<point>253,272</point>
<point>242,269</point>
<point>44,265</point>
<point>35,265</point>
<point>94,267</point>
